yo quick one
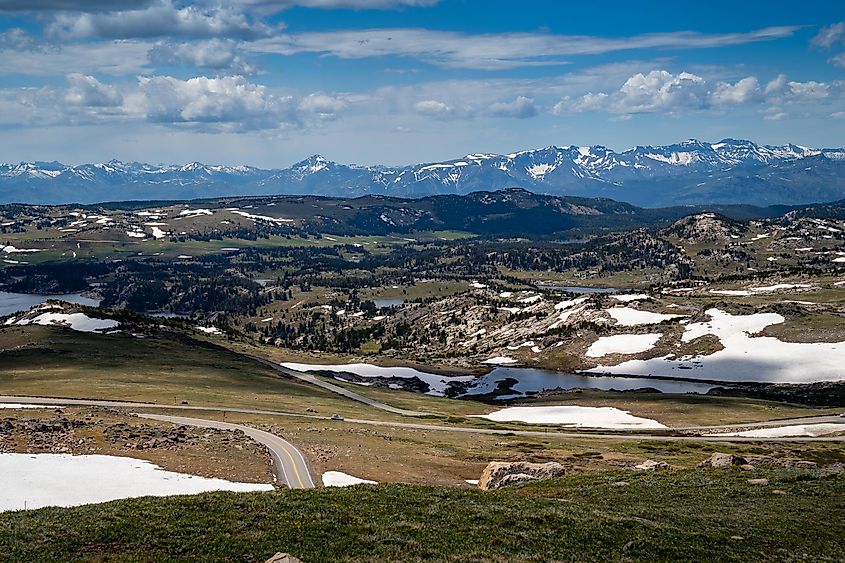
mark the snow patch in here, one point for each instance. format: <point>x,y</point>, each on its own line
<point>578,417</point>
<point>437,384</point>
<point>340,479</point>
<point>75,321</point>
<point>500,360</point>
<point>38,480</point>
<point>798,430</point>
<point>622,344</point>
<point>626,316</point>
<point>744,357</point>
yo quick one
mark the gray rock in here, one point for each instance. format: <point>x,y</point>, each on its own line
<point>651,465</point>
<point>500,474</point>
<point>283,558</point>
<point>718,459</point>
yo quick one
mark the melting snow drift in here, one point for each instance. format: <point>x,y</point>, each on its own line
<point>744,357</point>
<point>626,316</point>
<point>579,417</point>
<point>437,384</point>
<point>38,480</point>
<point>798,430</point>
<point>623,344</point>
<point>339,479</point>
<point>75,321</point>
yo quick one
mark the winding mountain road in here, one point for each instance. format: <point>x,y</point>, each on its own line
<point>581,435</point>
<point>291,466</point>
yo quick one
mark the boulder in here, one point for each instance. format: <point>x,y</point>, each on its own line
<point>651,465</point>
<point>718,459</point>
<point>283,558</point>
<point>500,474</point>
<point>758,481</point>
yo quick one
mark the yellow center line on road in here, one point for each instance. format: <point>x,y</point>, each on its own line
<point>285,448</point>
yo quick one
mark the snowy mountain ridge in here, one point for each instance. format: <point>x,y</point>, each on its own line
<point>730,171</point>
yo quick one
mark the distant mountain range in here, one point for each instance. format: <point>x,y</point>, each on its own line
<point>692,172</point>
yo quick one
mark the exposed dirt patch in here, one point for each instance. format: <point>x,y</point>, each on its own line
<point>79,431</point>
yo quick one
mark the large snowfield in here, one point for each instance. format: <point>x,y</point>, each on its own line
<point>75,321</point>
<point>437,384</point>
<point>38,480</point>
<point>579,417</point>
<point>622,344</point>
<point>763,359</point>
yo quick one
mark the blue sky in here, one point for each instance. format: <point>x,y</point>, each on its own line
<point>269,82</point>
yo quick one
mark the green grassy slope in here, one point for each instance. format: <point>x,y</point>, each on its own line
<point>685,515</point>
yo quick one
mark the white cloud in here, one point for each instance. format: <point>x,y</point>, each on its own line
<point>493,51</point>
<point>434,108</point>
<point>322,105</point>
<point>745,91</point>
<point>774,115</point>
<point>217,54</point>
<point>70,5</point>
<point>521,107</point>
<point>657,91</point>
<point>88,91</point>
<point>116,58</point>
<point>777,86</point>
<point>829,36</point>
<point>17,39</point>
<point>157,20</point>
<point>838,60</point>
<point>809,90</point>
<point>660,91</point>
<point>229,101</point>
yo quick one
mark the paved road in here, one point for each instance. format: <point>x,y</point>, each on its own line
<point>622,435</point>
<point>314,380</point>
<point>290,464</point>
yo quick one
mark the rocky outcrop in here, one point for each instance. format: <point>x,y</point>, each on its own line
<point>718,459</point>
<point>705,227</point>
<point>500,474</point>
<point>651,465</point>
<point>283,558</point>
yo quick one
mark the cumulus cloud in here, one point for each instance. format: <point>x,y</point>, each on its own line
<point>70,5</point>
<point>322,105</point>
<point>745,91</point>
<point>494,50</point>
<point>434,108</point>
<point>778,85</point>
<point>217,54</point>
<point>522,107</point>
<point>88,91</point>
<point>231,101</point>
<point>657,91</point>
<point>157,20</point>
<point>829,36</point>
<point>660,91</point>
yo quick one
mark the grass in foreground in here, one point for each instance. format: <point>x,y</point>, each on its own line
<point>685,515</point>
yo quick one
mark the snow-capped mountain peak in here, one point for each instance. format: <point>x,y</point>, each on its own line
<point>692,171</point>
